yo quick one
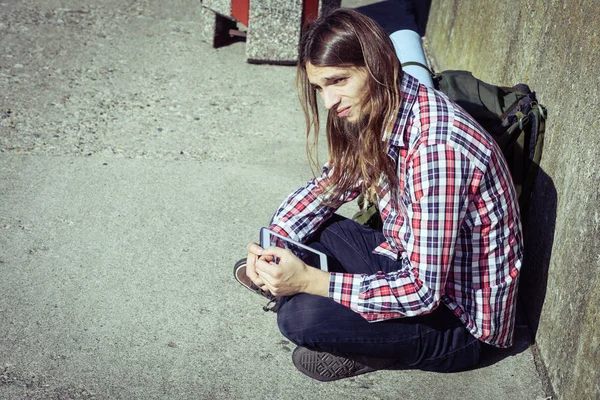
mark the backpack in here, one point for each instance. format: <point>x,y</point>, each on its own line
<point>511,115</point>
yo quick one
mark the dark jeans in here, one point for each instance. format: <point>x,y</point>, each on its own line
<point>399,14</point>
<point>436,342</point>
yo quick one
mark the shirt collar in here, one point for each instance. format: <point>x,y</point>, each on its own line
<point>408,91</point>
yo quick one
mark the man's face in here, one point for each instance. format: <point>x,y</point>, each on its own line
<point>343,90</point>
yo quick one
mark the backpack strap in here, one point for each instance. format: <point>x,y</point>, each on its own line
<point>416,64</point>
<point>537,122</point>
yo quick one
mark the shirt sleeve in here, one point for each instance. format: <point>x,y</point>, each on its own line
<point>432,205</point>
<point>303,212</point>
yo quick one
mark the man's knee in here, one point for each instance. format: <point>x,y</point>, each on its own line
<point>303,318</point>
<point>339,233</point>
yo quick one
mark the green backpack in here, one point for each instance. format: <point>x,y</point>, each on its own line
<point>511,115</point>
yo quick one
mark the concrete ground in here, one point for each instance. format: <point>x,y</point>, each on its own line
<point>136,162</point>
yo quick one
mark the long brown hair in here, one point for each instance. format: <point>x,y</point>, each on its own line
<point>345,38</point>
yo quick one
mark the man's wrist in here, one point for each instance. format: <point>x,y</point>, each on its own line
<point>317,282</point>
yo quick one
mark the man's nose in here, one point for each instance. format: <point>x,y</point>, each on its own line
<point>330,97</point>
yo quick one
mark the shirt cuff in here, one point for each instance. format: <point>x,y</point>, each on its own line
<point>345,288</point>
<point>279,230</point>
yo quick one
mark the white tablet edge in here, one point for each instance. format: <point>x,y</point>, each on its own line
<point>265,240</point>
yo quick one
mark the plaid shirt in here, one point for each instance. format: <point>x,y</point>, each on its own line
<point>454,227</point>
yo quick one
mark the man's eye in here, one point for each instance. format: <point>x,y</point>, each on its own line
<point>339,80</point>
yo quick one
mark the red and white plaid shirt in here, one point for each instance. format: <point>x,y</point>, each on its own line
<point>455,226</point>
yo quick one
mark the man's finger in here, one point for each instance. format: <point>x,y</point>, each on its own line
<point>258,281</point>
<point>268,268</point>
<point>268,285</point>
<point>277,251</point>
<point>265,278</point>
<point>254,248</point>
<point>250,264</point>
<point>267,257</point>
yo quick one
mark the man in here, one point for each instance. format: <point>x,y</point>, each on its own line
<point>438,283</point>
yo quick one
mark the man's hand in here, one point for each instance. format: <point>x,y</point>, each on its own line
<point>291,275</point>
<point>254,253</point>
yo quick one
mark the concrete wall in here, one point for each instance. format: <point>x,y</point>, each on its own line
<point>554,46</point>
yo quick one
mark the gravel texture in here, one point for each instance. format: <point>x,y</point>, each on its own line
<point>131,79</point>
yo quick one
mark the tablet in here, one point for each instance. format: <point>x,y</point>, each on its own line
<point>310,256</point>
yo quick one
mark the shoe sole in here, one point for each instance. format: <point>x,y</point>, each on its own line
<point>239,273</point>
<point>326,367</point>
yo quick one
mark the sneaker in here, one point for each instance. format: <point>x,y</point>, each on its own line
<point>326,367</point>
<point>239,273</point>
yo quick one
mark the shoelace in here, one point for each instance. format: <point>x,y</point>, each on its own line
<point>272,299</point>
<point>273,308</point>
<point>262,292</point>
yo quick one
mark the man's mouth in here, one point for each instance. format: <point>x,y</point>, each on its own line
<point>344,112</point>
